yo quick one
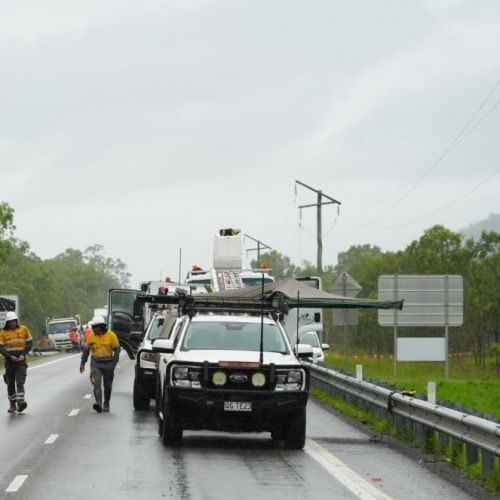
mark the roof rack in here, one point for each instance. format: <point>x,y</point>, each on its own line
<point>191,304</point>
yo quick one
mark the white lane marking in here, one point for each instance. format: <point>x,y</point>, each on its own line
<point>51,438</point>
<point>87,396</point>
<point>65,358</point>
<point>16,483</point>
<point>356,484</point>
<point>74,412</point>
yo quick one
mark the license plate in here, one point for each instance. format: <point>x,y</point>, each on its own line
<point>237,406</point>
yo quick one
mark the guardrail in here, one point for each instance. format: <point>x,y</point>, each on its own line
<point>417,418</point>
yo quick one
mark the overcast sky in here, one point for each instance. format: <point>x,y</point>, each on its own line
<point>146,126</point>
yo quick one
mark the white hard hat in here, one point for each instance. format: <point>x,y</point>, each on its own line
<point>97,320</point>
<point>10,316</point>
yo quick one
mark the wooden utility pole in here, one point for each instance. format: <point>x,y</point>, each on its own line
<point>319,203</point>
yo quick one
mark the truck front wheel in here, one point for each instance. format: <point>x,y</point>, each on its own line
<point>295,431</point>
<point>171,429</point>
<point>141,397</point>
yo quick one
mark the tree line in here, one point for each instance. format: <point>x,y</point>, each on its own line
<point>73,282</point>
<point>438,251</point>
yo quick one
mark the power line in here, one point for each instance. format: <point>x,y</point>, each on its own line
<point>457,140</point>
<point>444,207</point>
<point>412,188</point>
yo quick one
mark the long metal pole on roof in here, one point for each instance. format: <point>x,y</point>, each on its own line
<point>261,357</point>
<point>318,205</point>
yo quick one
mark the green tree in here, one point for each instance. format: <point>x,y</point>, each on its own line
<point>355,252</point>
<point>281,265</point>
<point>73,282</point>
<point>6,221</point>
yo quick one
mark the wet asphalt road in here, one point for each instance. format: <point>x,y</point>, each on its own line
<point>119,455</point>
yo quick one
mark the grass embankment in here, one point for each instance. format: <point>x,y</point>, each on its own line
<point>476,387</point>
<point>382,426</point>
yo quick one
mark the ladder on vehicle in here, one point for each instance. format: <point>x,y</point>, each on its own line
<point>226,280</point>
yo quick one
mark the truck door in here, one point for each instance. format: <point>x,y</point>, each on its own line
<point>126,320</point>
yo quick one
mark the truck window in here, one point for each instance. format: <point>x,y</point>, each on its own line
<point>62,327</point>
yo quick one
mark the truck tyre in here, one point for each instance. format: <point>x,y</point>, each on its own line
<point>277,433</point>
<point>158,404</point>
<point>171,428</point>
<point>141,397</point>
<point>295,431</point>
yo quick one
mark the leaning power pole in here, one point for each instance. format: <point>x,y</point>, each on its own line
<point>319,203</point>
<point>260,246</point>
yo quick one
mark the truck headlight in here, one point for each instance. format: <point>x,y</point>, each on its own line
<point>289,380</point>
<point>258,379</point>
<point>294,377</point>
<point>149,356</point>
<point>219,378</point>
<point>181,372</point>
<point>186,376</point>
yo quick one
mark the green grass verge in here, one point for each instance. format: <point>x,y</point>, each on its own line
<point>476,387</point>
<point>382,426</point>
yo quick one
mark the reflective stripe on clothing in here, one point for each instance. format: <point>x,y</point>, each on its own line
<point>15,340</point>
<point>102,346</point>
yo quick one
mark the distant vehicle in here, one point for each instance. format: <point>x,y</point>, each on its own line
<point>58,330</point>
<point>227,272</point>
<point>311,338</point>
<point>210,378</point>
<point>101,312</point>
<point>309,319</point>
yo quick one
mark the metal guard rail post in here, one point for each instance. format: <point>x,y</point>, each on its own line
<point>466,428</point>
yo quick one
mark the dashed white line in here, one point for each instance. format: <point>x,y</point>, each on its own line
<point>74,412</point>
<point>87,396</point>
<point>51,438</point>
<point>16,483</point>
<point>346,476</point>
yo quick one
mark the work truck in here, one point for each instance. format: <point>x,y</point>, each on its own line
<point>58,331</point>
<point>228,272</point>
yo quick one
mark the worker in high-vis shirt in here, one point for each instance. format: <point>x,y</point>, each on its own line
<point>103,345</point>
<point>15,343</point>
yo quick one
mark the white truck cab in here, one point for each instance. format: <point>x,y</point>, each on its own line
<point>58,332</point>
<point>231,371</point>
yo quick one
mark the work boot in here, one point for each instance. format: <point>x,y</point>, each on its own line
<point>97,407</point>
<point>12,408</point>
<point>21,406</point>
<point>105,407</point>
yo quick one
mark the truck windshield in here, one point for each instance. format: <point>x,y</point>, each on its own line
<point>256,281</point>
<point>155,329</point>
<point>309,339</point>
<point>232,336</point>
<point>61,327</point>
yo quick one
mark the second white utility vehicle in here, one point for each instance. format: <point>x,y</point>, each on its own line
<point>161,326</point>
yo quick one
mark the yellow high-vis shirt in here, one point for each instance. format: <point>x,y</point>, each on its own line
<point>15,340</point>
<point>101,346</point>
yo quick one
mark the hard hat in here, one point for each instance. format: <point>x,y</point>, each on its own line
<point>11,316</point>
<point>97,320</point>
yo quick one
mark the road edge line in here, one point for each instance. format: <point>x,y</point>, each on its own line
<point>343,473</point>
